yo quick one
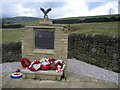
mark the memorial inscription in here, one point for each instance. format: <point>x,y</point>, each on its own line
<point>44,39</point>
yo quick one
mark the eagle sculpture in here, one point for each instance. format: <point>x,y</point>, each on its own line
<point>45,11</point>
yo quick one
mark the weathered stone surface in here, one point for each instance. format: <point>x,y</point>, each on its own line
<point>46,75</point>
<point>73,81</point>
<point>45,22</point>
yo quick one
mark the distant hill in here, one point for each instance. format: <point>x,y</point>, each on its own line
<point>21,20</point>
<point>88,19</point>
<point>70,20</point>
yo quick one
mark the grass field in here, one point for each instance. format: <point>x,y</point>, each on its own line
<point>108,28</point>
<point>30,23</point>
<point>0,36</point>
<point>11,35</point>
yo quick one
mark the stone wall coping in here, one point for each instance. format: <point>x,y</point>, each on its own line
<point>44,51</point>
<point>50,26</point>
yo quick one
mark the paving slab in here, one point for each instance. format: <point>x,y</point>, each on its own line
<point>72,81</point>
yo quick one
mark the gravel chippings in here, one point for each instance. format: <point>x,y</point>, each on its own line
<point>74,66</point>
<point>82,68</point>
<point>10,66</point>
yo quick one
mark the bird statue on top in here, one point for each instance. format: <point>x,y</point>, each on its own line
<point>45,12</point>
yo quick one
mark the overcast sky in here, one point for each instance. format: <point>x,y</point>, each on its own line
<point>60,8</point>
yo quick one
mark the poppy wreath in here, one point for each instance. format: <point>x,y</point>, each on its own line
<point>45,65</point>
<point>16,75</point>
<point>59,65</point>
<point>52,64</point>
<point>51,60</point>
<point>44,60</point>
<point>35,65</point>
<point>25,62</point>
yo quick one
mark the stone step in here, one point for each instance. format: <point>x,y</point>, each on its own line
<point>42,75</point>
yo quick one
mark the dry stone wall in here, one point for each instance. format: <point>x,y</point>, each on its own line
<point>11,52</point>
<point>100,50</point>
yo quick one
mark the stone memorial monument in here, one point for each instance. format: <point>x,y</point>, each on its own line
<point>45,40</point>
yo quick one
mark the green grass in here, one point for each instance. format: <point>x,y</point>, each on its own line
<point>11,35</point>
<point>30,23</point>
<point>107,28</point>
<point>13,24</point>
<point>0,36</point>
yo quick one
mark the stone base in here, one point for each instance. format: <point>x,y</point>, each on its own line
<point>42,75</point>
<point>45,23</point>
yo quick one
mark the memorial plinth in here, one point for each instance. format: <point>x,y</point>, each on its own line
<point>41,75</point>
<point>45,40</point>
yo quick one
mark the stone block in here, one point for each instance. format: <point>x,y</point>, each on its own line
<point>42,75</point>
<point>28,76</point>
<point>45,22</point>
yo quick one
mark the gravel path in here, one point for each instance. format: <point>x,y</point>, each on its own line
<point>10,66</point>
<point>85,69</point>
<point>74,66</point>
